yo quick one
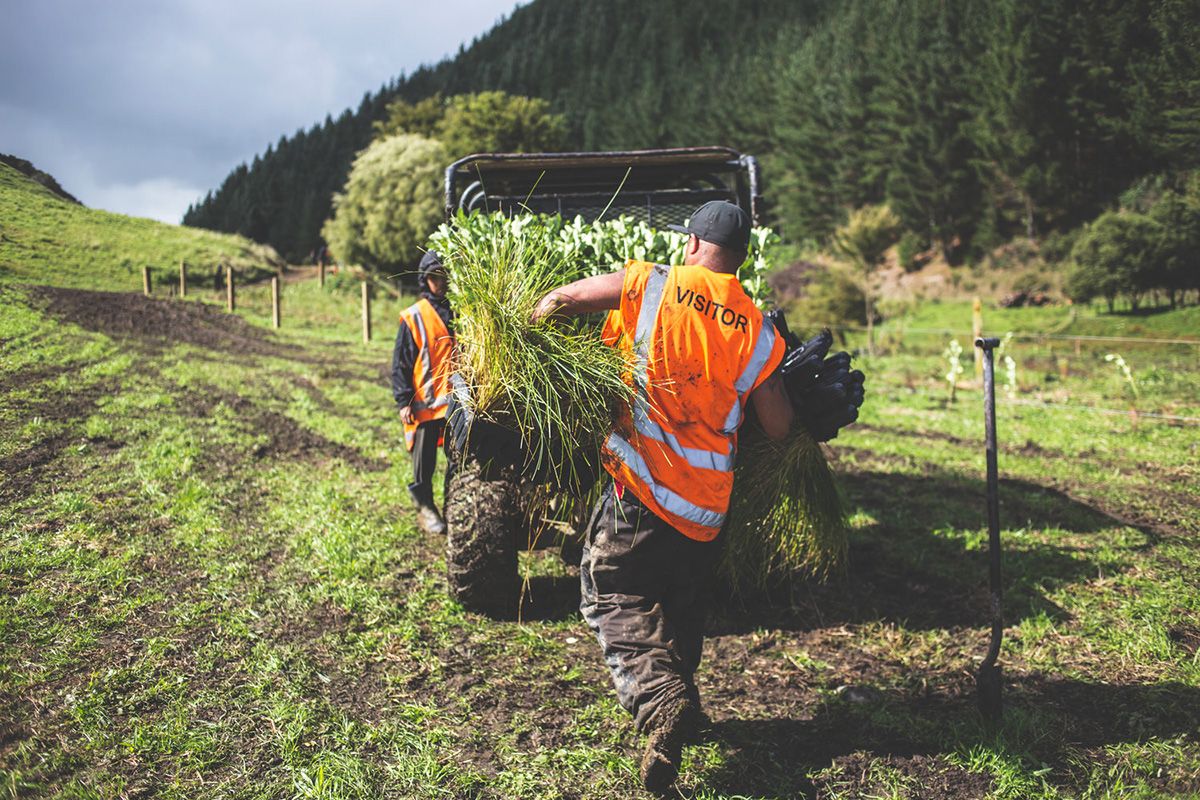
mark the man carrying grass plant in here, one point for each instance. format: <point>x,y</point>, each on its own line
<point>701,353</point>
<point>421,365</point>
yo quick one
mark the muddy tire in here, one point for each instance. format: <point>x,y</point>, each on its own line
<point>484,516</point>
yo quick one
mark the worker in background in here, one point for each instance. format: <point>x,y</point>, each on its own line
<point>421,365</point>
<point>702,355</point>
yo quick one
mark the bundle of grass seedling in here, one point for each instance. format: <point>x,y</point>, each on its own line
<point>554,382</point>
<point>785,515</point>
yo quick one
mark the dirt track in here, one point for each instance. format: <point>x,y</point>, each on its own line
<point>149,326</point>
<point>156,323</point>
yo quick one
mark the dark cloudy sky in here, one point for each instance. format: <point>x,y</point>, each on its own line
<point>141,106</point>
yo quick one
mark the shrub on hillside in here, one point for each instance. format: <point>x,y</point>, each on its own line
<point>833,299</point>
<point>1116,254</point>
<point>910,246</point>
<point>1177,266</point>
<point>1153,248</point>
<point>1032,282</point>
<point>863,239</point>
<point>1057,245</point>
<point>392,201</point>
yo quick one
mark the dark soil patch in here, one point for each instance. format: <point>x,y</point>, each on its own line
<point>25,471</point>
<point>1096,714</point>
<point>885,728</point>
<point>30,376</point>
<point>924,778</point>
<point>31,459</point>
<point>157,324</point>
<point>286,437</point>
<point>529,697</point>
<point>312,390</point>
<point>1186,638</point>
<point>361,693</point>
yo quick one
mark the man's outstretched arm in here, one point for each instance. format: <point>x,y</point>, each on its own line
<point>584,296</point>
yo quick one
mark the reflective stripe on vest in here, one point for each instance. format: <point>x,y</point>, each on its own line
<point>749,377</point>
<point>668,499</point>
<point>427,390</point>
<point>704,459</point>
<point>656,282</point>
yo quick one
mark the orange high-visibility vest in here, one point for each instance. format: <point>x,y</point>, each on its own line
<point>431,372</point>
<point>699,346</point>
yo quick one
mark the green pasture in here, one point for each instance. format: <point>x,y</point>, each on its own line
<point>44,239</point>
<point>195,605</point>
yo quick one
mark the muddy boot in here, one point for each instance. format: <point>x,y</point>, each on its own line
<point>428,518</point>
<point>431,521</point>
<point>664,749</point>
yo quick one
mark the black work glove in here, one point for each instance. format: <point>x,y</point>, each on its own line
<point>775,317</point>
<point>825,392</point>
<point>803,364</point>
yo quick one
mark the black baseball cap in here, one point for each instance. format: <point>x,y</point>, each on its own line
<point>719,222</point>
<point>430,262</point>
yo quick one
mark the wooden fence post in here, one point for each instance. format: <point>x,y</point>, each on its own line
<point>146,281</point>
<point>976,332</point>
<point>229,294</point>
<point>275,302</point>
<point>366,312</point>
<point>321,274</point>
<point>182,279</point>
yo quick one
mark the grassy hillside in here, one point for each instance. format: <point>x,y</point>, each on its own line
<point>45,239</point>
<point>211,583</point>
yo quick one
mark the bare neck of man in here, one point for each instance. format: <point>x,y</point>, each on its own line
<point>716,258</point>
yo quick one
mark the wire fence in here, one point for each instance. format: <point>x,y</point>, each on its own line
<point>1131,413</point>
<point>1065,337</point>
<point>1174,419</point>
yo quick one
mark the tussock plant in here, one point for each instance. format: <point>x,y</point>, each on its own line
<point>554,382</point>
<point>785,514</point>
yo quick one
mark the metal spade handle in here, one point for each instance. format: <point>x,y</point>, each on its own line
<point>988,680</point>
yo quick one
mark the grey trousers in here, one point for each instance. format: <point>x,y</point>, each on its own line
<point>424,458</point>
<point>644,591</point>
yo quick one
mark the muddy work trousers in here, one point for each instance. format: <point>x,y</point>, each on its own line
<point>644,588</point>
<point>424,458</point>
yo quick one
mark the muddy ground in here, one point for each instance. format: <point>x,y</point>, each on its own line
<point>857,711</point>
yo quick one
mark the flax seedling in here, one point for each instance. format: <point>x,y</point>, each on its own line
<point>553,382</point>
<point>953,356</point>
<point>1117,359</point>
<point>753,273</point>
<point>1010,367</point>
